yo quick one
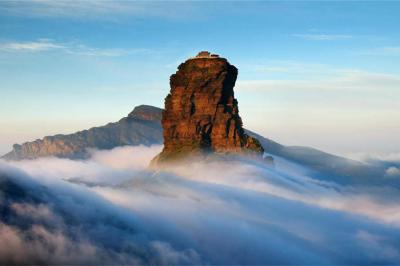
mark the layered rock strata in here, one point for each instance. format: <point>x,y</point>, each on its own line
<point>201,114</point>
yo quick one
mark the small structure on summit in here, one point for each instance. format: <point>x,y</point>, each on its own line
<point>206,54</point>
<point>201,114</point>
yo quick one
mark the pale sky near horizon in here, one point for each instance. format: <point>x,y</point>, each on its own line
<point>320,74</point>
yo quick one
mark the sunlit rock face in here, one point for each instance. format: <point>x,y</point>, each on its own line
<point>201,113</point>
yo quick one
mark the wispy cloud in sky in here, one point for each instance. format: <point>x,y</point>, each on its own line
<point>46,8</point>
<point>292,67</point>
<point>42,45</point>
<point>323,37</point>
<point>111,10</point>
<point>384,51</point>
<point>32,46</point>
<point>340,80</point>
<point>299,75</point>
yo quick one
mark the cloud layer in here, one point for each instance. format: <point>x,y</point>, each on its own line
<point>111,208</point>
<point>323,37</point>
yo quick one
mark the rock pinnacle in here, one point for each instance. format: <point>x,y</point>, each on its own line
<point>201,114</point>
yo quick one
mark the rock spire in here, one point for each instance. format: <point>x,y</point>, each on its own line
<point>201,114</point>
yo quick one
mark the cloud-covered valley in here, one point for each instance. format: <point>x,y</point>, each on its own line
<point>112,209</point>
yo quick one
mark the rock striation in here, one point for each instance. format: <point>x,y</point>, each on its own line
<point>201,113</point>
<point>141,126</point>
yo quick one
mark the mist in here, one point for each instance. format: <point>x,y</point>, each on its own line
<point>113,209</point>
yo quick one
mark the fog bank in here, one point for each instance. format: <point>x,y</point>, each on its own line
<point>112,209</point>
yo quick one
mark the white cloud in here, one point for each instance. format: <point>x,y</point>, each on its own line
<point>89,51</point>
<point>384,51</point>
<point>323,194</point>
<point>377,245</point>
<point>291,67</point>
<point>393,172</point>
<point>111,10</point>
<point>42,45</point>
<point>389,156</point>
<point>33,46</point>
<point>312,71</point>
<point>40,244</point>
<point>119,162</point>
<point>89,8</point>
<point>338,80</point>
<point>196,213</point>
<point>124,158</point>
<point>323,37</point>
<point>124,163</point>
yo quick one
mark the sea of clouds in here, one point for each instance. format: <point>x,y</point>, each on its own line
<point>112,209</point>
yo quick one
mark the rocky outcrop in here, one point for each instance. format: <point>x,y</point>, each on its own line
<point>201,113</point>
<point>146,113</point>
<point>141,126</point>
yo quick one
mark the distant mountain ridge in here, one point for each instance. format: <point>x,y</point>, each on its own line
<point>141,126</point>
<point>327,166</point>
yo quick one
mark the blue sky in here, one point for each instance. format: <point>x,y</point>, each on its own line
<point>321,74</point>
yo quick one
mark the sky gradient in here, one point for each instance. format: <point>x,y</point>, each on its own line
<point>320,74</point>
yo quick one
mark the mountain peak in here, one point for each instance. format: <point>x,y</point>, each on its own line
<point>146,112</point>
<point>201,113</point>
<point>142,126</point>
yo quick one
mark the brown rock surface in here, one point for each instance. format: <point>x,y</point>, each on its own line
<point>201,113</point>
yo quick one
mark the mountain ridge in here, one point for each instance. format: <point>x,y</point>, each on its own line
<point>143,127</point>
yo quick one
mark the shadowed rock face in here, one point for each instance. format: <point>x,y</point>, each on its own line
<point>201,113</point>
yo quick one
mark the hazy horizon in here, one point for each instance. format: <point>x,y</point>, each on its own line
<point>318,74</point>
